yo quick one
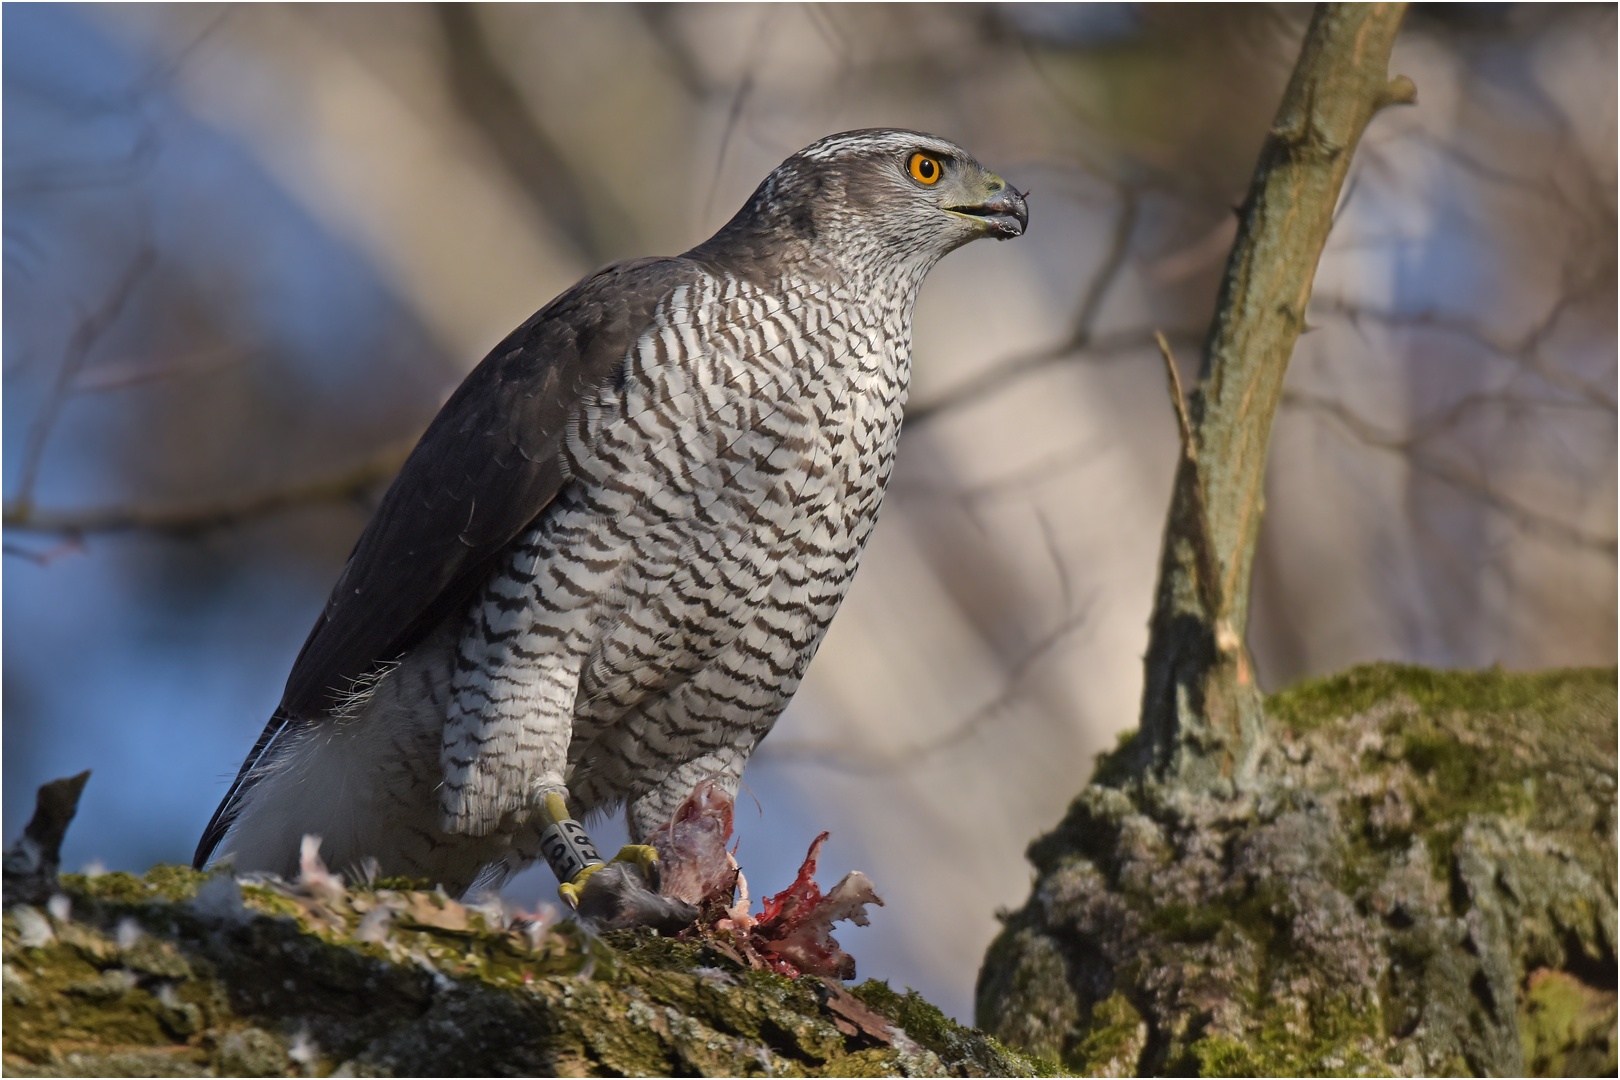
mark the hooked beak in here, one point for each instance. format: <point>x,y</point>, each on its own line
<point>1004,212</point>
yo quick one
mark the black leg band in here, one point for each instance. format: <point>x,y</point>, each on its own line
<point>568,849</point>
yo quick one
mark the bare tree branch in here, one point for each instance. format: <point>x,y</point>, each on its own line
<point>658,18</point>
<point>584,212</point>
<point>1080,339</point>
<point>840,756</point>
<point>1059,563</point>
<point>121,375</point>
<point>1526,351</point>
<point>348,484</point>
<point>1178,396</point>
<point>46,555</point>
<point>1474,483</point>
<point>1019,483</point>
<point>1108,271</point>
<point>56,177</point>
<point>85,336</point>
<point>739,100</point>
<point>1006,375</point>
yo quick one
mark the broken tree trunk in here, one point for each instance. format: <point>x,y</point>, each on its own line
<point>1202,723</point>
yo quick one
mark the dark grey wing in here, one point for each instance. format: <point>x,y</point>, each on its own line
<point>486,467</point>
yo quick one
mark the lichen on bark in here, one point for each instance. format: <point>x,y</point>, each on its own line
<point>182,974</point>
<point>1420,881</point>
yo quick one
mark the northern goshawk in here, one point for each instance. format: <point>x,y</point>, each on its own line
<point>603,570</point>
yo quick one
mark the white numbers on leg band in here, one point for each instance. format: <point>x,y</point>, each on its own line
<point>568,849</point>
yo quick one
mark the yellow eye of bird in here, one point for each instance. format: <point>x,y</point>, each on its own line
<point>925,168</point>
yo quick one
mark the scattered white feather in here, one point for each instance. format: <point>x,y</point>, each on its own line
<point>313,876</point>
<point>373,928</point>
<point>33,929</point>
<point>220,898</point>
<point>304,1049</point>
<point>128,934</point>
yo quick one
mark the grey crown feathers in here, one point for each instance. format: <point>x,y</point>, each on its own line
<point>603,570</point>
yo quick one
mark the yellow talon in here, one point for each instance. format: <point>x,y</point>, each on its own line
<point>571,891</point>
<point>558,821</point>
<point>643,855</point>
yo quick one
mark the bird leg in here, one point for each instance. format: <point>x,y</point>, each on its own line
<point>573,857</point>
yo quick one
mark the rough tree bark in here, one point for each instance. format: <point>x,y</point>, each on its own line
<point>1422,882</point>
<point>1399,872</point>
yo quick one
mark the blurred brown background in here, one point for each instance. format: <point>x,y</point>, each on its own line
<point>248,250</point>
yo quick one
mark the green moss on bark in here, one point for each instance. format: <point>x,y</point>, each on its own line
<point>180,973</point>
<point>974,1052</point>
<point>1567,1026</point>
<point>1422,880</point>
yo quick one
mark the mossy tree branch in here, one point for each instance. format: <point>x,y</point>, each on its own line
<point>1202,722</point>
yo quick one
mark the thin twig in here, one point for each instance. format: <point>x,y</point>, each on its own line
<point>85,336</point>
<point>682,64</point>
<point>1108,271</point>
<point>739,100</point>
<point>211,514</point>
<point>1178,397</point>
<point>44,556</point>
<point>1370,434</point>
<point>1081,339</point>
<point>1005,375</point>
<point>583,211</point>
<point>1017,483</point>
<point>122,375</point>
<point>1058,562</point>
<point>1526,351</point>
<point>841,757</point>
<point>1191,474</point>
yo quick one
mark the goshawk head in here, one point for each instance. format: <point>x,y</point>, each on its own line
<point>868,203</point>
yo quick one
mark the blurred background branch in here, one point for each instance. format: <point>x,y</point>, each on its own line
<point>89,331</point>
<point>494,105</point>
<point>348,484</point>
